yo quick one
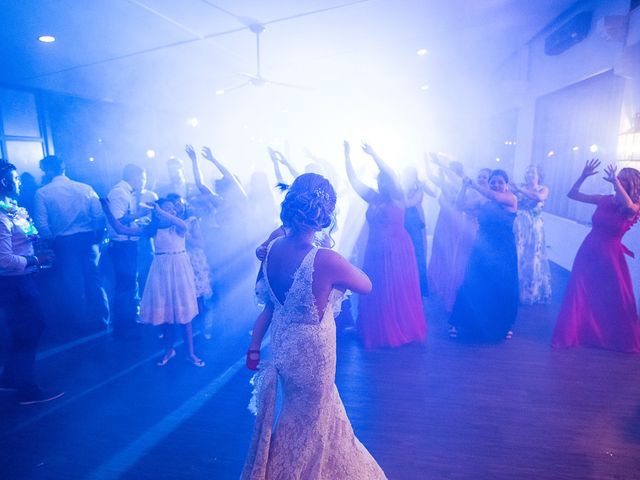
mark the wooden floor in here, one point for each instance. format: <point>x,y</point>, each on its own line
<point>444,410</point>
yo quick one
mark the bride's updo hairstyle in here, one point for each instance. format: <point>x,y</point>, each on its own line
<point>309,204</point>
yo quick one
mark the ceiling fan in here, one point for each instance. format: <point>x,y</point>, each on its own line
<point>257,80</point>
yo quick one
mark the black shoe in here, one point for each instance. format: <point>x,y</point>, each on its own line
<point>37,395</point>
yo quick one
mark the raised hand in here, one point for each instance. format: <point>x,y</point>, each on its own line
<point>435,159</point>
<point>610,173</point>
<point>347,149</point>
<point>206,153</point>
<point>591,168</point>
<point>281,158</point>
<point>191,153</point>
<point>366,148</point>
<point>272,154</point>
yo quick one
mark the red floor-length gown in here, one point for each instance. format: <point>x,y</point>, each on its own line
<point>392,314</point>
<point>599,308</point>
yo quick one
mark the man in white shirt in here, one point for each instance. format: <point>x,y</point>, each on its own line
<point>123,250</point>
<point>19,296</point>
<point>68,215</point>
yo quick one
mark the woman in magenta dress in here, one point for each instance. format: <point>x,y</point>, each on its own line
<point>392,314</point>
<point>599,308</point>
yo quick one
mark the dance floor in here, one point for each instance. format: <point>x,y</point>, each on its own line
<point>444,410</point>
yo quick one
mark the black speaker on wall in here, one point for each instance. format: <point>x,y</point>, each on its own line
<point>569,34</point>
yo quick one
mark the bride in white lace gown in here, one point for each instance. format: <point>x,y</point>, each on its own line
<point>303,285</point>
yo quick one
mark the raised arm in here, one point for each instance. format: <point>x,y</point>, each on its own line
<point>427,189</point>
<point>180,224</point>
<point>621,194</point>
<point>590,169</point>
<point>506,199</point>
<point>276,165</point>
<point>382,165</point>
<point>197,175</point>
<point>461,199</point>
<point>117,224</point>
<point>283,160</point>
<point>206,153</point>
<point>415,198</point>
<point>365,192</point>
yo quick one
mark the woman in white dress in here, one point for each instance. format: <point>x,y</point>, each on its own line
<point>169,296</point>
<point>303,286</point>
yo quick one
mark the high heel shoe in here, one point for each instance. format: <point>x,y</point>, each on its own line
<point>164,360</point>
<point>198,362</point>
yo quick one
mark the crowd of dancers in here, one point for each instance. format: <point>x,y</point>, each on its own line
<point>189,242</point>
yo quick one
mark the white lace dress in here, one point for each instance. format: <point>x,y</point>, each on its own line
<point>313,438</point>
<point>170,293</point>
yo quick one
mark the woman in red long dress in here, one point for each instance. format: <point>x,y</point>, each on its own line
<point>599,308</point>
<point>392,314</point>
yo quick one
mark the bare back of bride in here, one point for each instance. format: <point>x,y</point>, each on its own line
<point>303,287</point>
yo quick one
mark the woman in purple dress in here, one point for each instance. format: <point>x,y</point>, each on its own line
<point>392,314</point>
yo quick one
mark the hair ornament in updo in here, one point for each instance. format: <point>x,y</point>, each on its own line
<point>309,203</point>
<point>322,195</point>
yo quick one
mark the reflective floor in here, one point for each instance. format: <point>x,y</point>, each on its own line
<point>444,410</point>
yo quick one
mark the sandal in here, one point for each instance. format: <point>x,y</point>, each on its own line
<point>164,360</point>
<point>198,362</point>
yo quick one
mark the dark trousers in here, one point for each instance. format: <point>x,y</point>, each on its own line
<point>124,256</point>
<point>80,291</point>
<point>20,305</point>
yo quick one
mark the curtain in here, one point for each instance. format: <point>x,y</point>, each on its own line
<point>567,124</point>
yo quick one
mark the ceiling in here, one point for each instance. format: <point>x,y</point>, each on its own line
<point>174,55</point>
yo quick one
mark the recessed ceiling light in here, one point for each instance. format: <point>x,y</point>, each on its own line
<point>47,38</point>
<point>193,122</point>
<point>593,148</point>
<point>424,87</point>
<point>575,148</point>
<point>422,51</point>
<point>219,92</point>
<point>151,153</point>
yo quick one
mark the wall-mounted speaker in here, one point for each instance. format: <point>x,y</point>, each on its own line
<point>569,34</point>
